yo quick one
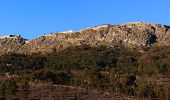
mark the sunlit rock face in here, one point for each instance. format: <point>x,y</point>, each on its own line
<point>136,34</point>
<point>11,43</point>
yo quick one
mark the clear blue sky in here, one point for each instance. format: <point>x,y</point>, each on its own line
<point>32,18</point>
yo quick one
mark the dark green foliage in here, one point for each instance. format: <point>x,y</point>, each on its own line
<point>13,62</point>
<point>156,61</point>
<point>81,57</point>
<point>117,69</point>
<point>60,77</point>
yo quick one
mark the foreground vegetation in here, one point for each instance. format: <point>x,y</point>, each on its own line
<point>116,69</point>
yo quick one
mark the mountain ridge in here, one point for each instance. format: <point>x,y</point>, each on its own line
<point>133,34</point>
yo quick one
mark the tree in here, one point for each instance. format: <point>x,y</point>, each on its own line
<point>2,90</point>
<point>23,90</point>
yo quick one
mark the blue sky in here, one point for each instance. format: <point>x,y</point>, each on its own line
<point>32,18</point>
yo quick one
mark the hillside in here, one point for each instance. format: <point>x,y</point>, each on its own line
<point>137,34</point>
<point>127,61</point>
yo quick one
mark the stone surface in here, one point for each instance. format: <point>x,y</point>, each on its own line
<point>137,34</point>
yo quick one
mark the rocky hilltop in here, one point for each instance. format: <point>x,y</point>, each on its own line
<point>136,34</point>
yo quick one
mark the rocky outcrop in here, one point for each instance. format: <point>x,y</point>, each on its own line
<point>138,34</point>
<point>11,43</point>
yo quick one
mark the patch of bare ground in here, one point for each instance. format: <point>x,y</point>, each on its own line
<point>157,80</point>
<point>61,92</point>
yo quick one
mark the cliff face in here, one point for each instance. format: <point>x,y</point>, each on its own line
<point>137,34</point>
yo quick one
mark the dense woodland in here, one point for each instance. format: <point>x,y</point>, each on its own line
<point>118,69</point>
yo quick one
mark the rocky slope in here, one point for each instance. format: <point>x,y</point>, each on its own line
<point>137,34</point>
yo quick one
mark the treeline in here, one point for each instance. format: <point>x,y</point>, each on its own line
<point>108,68</point>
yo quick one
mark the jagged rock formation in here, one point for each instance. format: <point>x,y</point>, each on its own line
<point>11,43</point>
<point>138,34</point>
